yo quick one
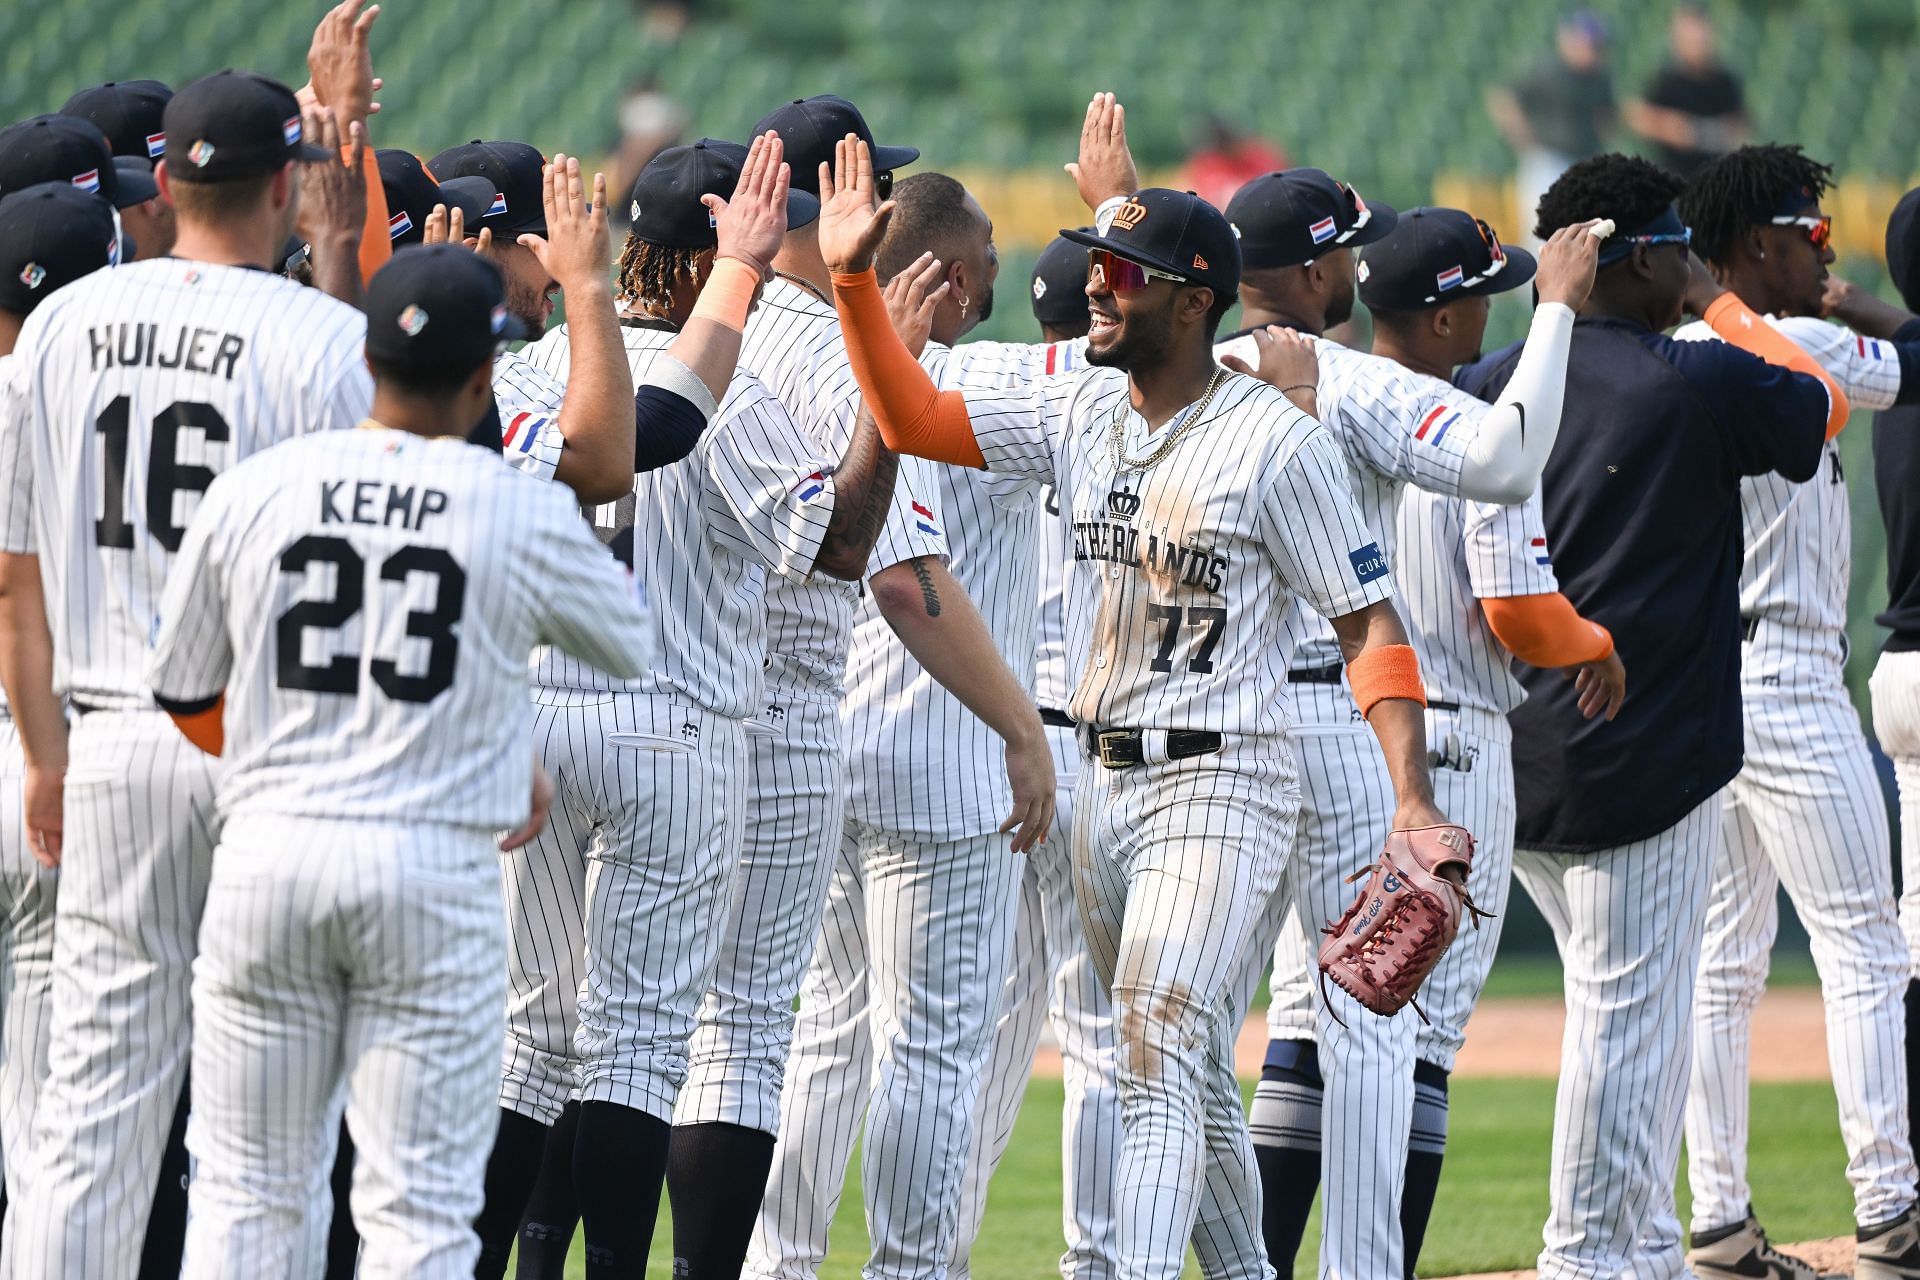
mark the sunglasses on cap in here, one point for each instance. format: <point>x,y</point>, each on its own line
<point>1361,217</point>
<point>1496,255</point>
<point>1123,275</point>
<point>1819,230</point>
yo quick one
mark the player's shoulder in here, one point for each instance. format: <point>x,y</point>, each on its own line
<point>747,396</point>
<point>1263,422</point>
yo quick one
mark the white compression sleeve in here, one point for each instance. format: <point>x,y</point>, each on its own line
<point>1506,456</point>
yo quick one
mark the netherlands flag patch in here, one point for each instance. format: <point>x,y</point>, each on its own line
<point>88,181</point>
<point>290,129</point>
<point>1323,230</point>
<point>398,225</point>
<point>811,487</point>
<point>499,205</point>
<point>923,518</point>
<point>156,145</point>
<point>1540,555</point>
<point>522,430</point>
<point>1440,415</point>
<point>1450,278</point>
<point>1869,347</point>
<point>1059,357</point>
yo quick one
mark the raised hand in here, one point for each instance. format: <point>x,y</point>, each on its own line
<point>1105,168</point>
<point>1568,261</point>
<point>1702,288</point>
<point>340,61</point>
<point>852,224</point>
<point>912,298</point>
<point>753,225</point>
<point>333,191</point>
<point>1287,362</point>
<point>578,247</point>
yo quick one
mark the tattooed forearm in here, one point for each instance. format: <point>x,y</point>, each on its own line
<point>862,492</point>
<point>929,595</point>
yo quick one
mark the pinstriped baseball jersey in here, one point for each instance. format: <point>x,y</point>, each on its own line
<point>793,345</point>
<point>1452,553</point>
<point>140,385</point>
<point>1799,537</point>
<point>528,399</point>
<point>16,517</point>
<point>918,762</point>
<point>753,496</point>
<point>368,600</point>
<point>1396,427</point>
<point>1181,568</point>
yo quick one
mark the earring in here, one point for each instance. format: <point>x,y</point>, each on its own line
<point>965,302</point>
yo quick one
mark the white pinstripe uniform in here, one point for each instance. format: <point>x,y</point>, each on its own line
<point>528,399</point>
<point>796,774</point>
<point>1251,503</point>
<point>378,739</point>
<point>1051,981</point>
<point>1395,427</point>
<point>140,385</point>
<point>28,893</point>
<point>898,1009</point>
<point>1806,811</point>
<point>648,821</point>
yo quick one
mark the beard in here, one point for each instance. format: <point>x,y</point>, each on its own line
<point>1140,341</point>
<point>529,307</point>
<point>986,305</point>
<point>1340,307</point>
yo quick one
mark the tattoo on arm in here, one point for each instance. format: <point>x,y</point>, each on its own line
<point>929,595</point>
<point>863,491</point>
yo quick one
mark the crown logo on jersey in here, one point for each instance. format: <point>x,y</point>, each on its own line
<point>201,153</point>
<point>33,275</point>
<point>1123,503</point>
<point>412,320</point>
<point>1039,288</point>
<point>1129,215</point>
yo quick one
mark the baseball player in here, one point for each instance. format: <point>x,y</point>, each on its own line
<point>1617,821</point>
<point>1177,573</point>
<point>923,881</point>
<point>179,367</point>
<point>66,148</point>
<point>1896,676</point>
<point>1477,586</point>
<point>1806,809</point>
<point>378,740</point>
<point>129,113</point>
<point>756,498</point>
<point>50,236</point>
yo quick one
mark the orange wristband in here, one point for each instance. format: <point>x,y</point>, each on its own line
<point>727,295</point>
<point>1388,671</point>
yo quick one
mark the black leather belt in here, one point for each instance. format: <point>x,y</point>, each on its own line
<point>1124,748</point>
<point>1435,704</point>
<point>1055,717</point>
<point>1316,675</point>
<point>83,708</point>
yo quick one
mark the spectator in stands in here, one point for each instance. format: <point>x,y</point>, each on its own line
<point>1559,112</point>
<point>1226,160</point>
<point>1693,109</point>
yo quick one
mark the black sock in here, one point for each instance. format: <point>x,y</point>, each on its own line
<point>1913,1058</point>
<point>511,1168</point>
<point>1426,1148</point>
<point>546,1232</point>
<point>167,1226</point>
<point>619,1162</point>
<point>716,1176</point>
<point>1285,1123</point>
<point>343,1239</point>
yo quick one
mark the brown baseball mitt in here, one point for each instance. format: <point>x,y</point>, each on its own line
<point>1403,921</point>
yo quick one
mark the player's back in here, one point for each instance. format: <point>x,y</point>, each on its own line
<point>139,385</point>
<point>382,594</point>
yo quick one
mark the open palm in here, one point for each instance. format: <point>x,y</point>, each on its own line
<point>852,223</point>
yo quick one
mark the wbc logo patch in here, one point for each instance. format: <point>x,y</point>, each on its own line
<point>33,276</point>
<point>412,320</point>
<point>201,153</point>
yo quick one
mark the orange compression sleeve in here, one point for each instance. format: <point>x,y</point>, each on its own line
<point>1735,321</point>
<point>204,729</point>
<point>1385,671</point>
<point>1546,631</point>
<point>376,243</point>
<point>913,415</point>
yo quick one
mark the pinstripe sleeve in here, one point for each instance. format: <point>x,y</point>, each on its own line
<point>192,653</point>
<point>529,401</point>
<point>1314,531</point>
<point>592,607</point>
<point>16,464</point>
<point>1020,428</point>
<point>1507,552</point>
<point>1403,425</point>
<point>913,526</point>
<point>1867,369</point>
<point>777,491</point>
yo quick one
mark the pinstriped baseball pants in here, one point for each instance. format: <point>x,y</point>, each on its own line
<point>27,895</point>
<point>1896,722</point>
<point>1628,923</point>
<point>140,830</point>
<point>1052,982</point>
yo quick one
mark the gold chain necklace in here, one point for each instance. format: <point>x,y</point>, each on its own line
<point>1121,462</point>
<point>808,285</point>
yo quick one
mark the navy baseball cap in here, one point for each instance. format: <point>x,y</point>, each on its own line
<point>517,172</point>
<point>1288,218</point>
<point>54,148</point>
<point>809,128</point>
<point>438,306</point>
<point>232,125</point>
<point>665,208</point>
<point>1435,256</point>
<point>129,112</point>
<point>51,234</point>
<point>1175,232</point>
<point>1060,282</point>
<point>411,194</point>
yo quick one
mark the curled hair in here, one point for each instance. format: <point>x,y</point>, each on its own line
<point>1631,191</point>
<point>649,272</point>
<point>1737,190</point>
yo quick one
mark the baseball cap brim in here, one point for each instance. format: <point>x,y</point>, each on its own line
<point>1519,270</point>
<point>1385,218</point>
<point>135,181</point>
<point>1132,253</point>
<point>470,196</point>
<point>802,207</point>
<point>887,159</point>
<point>307,153</point>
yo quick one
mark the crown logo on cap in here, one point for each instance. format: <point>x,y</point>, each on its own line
<point>200,153</point>
<point>412,320</point>
<point>1123,503</point>
<point>1129,215</point>
<point>1039,288</point>
<point>33,275</point>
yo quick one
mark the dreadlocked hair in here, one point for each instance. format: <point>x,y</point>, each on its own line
<point>1627,189</point>
<point>1734,191</point>
<point>649,272</point>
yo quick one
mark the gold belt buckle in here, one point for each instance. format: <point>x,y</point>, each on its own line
<point>1108,743</point>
